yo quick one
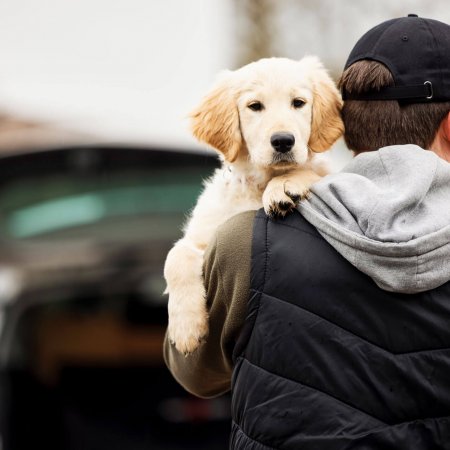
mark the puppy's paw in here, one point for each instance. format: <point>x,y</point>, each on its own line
<point>188,319</point>
<point>296,191</point>
<point>282,197</point>
<point>187,332</point>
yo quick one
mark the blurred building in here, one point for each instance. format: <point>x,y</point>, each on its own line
<point>131,71</point>
<point>20,134</point>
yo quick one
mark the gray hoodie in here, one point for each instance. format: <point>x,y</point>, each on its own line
<point>388,213</point>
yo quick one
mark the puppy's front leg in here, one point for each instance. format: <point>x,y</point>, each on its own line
<point>188,317</point>
<point>284,192</point>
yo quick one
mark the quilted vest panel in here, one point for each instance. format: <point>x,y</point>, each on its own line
<point>329,361</point>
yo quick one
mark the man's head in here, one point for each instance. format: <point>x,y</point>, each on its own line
<point>396,85</point>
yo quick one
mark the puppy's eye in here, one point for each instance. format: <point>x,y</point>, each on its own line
<point>297,103</point>
<point>256,106</point>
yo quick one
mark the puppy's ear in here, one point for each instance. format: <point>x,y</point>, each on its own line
<point>216,120</point>
<point>326,125</point>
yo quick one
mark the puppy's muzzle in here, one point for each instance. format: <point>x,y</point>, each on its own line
<point>282,142</point>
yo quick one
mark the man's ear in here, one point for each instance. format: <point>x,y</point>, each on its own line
<point>216,120</point>
<point>326,124</point>
<point>446,127</point>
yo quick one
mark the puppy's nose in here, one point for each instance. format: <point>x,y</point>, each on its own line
<point>282,142</point>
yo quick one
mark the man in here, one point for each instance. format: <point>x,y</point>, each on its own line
<point>332,326</point>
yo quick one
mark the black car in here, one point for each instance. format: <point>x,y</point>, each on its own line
<point>83,236</point>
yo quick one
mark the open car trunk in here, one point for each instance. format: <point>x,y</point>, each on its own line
<point>84,232</point>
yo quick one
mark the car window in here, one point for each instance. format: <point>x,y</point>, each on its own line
<point>56,205</point>
<point>150,203</point>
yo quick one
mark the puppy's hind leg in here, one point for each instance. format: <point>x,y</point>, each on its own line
<point>188,317</point>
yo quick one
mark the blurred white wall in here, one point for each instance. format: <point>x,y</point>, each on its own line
<point>127,70</point>
<point>130,70</point>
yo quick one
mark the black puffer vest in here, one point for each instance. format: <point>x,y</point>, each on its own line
<point>329,361</point>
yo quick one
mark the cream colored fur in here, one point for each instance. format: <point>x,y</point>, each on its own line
<point>253,174</point>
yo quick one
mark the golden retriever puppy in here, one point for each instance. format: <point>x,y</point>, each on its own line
<point>267,120</point>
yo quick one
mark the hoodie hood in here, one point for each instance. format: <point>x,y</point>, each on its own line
<point>388,213</point>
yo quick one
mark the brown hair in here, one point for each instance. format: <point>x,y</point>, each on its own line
<point>370,125</point>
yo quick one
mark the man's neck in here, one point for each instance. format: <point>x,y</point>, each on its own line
<point>442,153</point>
<point>441,142</point>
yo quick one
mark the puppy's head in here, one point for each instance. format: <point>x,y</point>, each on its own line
<point>275,109</point>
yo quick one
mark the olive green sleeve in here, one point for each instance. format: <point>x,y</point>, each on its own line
<point>207,371</point>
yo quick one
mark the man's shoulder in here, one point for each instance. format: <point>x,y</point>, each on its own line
<point>229,252</point>
<point>238,230</point>
<point>233,240</point>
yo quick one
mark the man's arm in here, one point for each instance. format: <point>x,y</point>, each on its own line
<point>207,371</point>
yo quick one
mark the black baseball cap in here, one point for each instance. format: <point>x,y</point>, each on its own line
<point>416,51</point>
